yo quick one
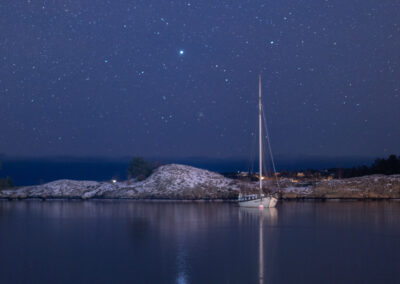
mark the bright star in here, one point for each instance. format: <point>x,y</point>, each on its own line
<point>181,52</point>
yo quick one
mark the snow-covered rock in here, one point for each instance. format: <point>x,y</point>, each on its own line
<point>189,183</point>
<point>167,182</point>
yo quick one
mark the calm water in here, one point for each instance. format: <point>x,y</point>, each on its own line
<point>165,242</point>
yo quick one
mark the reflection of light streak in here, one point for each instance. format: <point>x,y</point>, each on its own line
<point>268,216</point>
<point>181,277</point>
<point>261,249</point>
<point>273,216</point>
<point>181,263</point>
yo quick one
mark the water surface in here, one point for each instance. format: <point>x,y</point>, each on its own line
<point>171,242</point>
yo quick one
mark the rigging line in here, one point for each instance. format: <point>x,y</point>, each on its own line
<point>267,168</point>
<point>265,161</point>
<point>269,147</point>
<point>252,153</point>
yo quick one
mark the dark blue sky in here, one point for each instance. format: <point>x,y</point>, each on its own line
<point>179,78</point>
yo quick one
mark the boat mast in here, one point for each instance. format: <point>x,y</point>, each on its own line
<point>260,134</point>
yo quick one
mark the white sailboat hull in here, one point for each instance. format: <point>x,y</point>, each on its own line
<point>272,203</point>
<point>265,202</point>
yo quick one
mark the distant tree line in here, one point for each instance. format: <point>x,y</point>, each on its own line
<point>5,182</point>
<point>140,169</point>
<point>389,166</point>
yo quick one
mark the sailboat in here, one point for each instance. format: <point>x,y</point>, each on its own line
<point>258,200</point>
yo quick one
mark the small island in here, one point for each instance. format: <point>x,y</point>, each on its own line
<point>182,182</point>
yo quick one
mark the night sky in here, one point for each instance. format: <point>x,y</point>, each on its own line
<point>180,78</point>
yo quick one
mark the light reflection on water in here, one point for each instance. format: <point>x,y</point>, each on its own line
<point>266,218</point>
<point>172,242</point>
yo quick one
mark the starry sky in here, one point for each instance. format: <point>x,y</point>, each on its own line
<point>180,78</point>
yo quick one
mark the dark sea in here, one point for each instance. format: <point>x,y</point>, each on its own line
<point>186,242</point>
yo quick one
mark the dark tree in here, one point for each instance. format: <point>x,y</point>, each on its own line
<point>140,169</point>
<point>5,182</point>
<point>388,166</point>
<point>363,170</point>
<point>393,165</point>
<point>378,166</point>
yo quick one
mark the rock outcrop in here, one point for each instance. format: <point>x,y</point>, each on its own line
<point>167,182</point>
<point>366,187</point>
<point>181,182</point>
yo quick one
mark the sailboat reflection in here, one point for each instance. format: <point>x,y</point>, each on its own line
<point>266,219</point>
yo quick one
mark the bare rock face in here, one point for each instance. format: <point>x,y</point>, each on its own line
<point>167,182</point>
<point>373,186</point>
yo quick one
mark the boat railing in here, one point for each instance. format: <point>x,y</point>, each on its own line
<point>248,197</point>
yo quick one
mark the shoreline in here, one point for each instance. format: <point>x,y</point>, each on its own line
<point>184,183</point>
<point>285,199</point>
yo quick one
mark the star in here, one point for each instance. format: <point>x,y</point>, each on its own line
<point>181,52</point>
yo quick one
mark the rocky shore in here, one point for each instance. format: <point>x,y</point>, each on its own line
<point>167,182</point>
<point>366,187</point>
<point>179,182</point>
